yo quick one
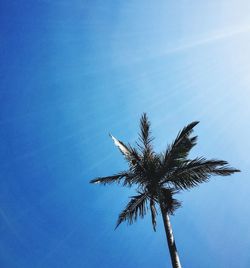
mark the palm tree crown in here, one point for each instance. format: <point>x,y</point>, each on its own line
<point>158,177</point>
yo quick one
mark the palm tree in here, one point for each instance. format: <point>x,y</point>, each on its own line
<point>158,177</point>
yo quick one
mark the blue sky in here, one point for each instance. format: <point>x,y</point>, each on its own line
<point>73,71</point>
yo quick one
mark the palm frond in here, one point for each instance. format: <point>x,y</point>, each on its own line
<point>121,146</point>
<point>145,136</point>
<point>111,179</point>
<point>178,150</point>
<point>181,146</point>
<point>185,132</point>
<point>193,172</point>
<point>136,207</point>
<point>130,153</point>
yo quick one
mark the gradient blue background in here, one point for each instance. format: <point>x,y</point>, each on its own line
<point>73,71</point>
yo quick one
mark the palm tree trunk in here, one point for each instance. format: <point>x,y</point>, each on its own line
<point>170,238</point>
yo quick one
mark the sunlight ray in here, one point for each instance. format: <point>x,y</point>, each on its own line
<point>211,39</point>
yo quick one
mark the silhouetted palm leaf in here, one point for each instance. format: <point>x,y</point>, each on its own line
<point>112,179</point>
<point>136,207</point>
<point>193,172</point>
<point>145,137</point>
<point>130,153</point>
<point>181,146</point>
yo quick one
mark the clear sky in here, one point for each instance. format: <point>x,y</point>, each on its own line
<point>73,71</point>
